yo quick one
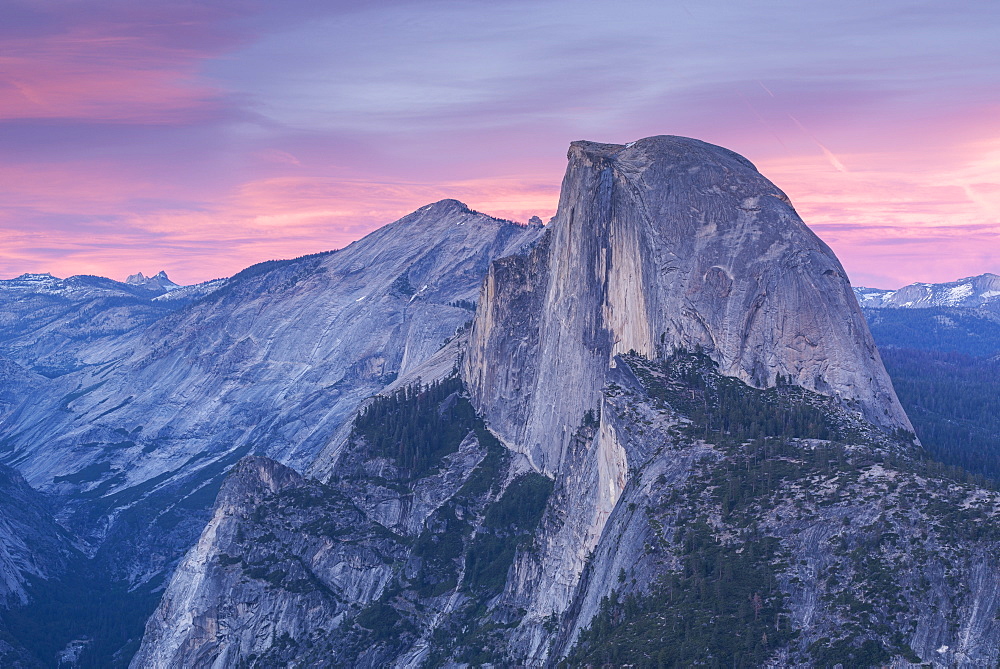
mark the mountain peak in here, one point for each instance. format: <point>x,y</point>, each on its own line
<point>671,147</point>
<point>436,217</point>
<point>159,281</point>
<point>444,206</point>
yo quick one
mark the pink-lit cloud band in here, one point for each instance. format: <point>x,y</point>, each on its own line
<point>200,138</point>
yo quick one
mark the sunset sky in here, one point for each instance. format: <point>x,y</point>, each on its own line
<point>200,138</point>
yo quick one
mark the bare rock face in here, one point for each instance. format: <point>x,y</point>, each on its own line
<point>661,244</point>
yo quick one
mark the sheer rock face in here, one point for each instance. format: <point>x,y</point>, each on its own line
<point>661,244</point>
<point>665,243</point>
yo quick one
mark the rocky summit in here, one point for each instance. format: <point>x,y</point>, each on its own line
<point>662,244</point>
<point>656,432</point>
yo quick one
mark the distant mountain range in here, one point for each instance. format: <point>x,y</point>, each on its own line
<point>960,316</point>
<point>940,343</point>
<point>53,326</point>
<point>970,292</point>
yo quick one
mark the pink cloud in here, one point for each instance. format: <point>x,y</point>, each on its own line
<point>133,64</point>
<point>893,217</point>
<point>267,218</point>
<point>901,215</point>
<point>176,156</point>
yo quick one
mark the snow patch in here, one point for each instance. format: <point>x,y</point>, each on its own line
<point>958,293</point>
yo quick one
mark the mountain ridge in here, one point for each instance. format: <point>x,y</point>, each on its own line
<point>134,437</point>
<point>982,290</point>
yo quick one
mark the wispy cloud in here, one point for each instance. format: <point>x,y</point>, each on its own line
<point>125,63</point>
<point>263,219</point>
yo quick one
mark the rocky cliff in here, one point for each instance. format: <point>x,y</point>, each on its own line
<point>409,538</point>
<point>660,244</point>
<point>663,244</point>
<point>318,334</point>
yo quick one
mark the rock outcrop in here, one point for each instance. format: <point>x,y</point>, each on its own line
<point>293,570</point>
<point>661,244</point>
<point>158,282</point>
<point>197,609</point>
